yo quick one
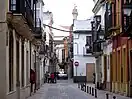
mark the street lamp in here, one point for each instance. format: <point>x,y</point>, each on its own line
<point>98,18</point>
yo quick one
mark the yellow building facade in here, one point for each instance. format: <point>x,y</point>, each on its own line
<point>119,61</point>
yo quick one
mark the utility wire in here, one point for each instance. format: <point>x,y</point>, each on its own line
<point>57,28</point>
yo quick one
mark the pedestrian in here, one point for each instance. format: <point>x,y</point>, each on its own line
<point>46,77</point>
<point>55,74</point>
<point>52,76</point>
<point>49,77</point>
<point>94,78</point>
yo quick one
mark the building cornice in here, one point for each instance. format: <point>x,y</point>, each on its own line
<point>98,5</point>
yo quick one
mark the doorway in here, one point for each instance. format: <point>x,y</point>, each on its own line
<point>17,69</point>
<point>111,75</point>
<point>105,70</point>
<point>90,70</point>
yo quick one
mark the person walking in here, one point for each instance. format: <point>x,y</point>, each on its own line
<point>55,78</point>
<point>46,77</point>
<point>49,79</point>
<point>52,76</point>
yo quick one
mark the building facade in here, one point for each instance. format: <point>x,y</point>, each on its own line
<point>100,52</point>
<point>118,18</point>
<point>120,49</point>
<point>48,21</point>
<point>82,52</point>
<point>19,48</point>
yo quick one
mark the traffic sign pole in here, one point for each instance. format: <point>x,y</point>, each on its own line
<point>76,70</point>
<point>76,64</point>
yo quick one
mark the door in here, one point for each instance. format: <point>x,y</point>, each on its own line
<point>105,70</point>
<point>111,69</point>
<point>90,70</point>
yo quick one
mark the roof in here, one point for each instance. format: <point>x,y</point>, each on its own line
<point>82,25</point>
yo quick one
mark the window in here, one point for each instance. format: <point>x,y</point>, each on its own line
<point>22,67</point>
<point>12,4</point>
<point>11,45</point>
<point>88,40</point>
<point>75,49</point>
<point>63,54</point>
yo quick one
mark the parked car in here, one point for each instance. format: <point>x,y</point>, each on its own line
<point>62,75</point>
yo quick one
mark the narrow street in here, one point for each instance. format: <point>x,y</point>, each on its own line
<point>64,89</point>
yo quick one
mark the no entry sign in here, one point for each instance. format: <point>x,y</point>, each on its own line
<point>76,63</point>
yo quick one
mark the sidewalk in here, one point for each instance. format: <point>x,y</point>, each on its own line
<point>101,94</point>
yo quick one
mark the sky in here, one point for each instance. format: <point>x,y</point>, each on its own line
<point>62,10</point>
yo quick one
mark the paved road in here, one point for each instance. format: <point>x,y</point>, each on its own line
<point>64,89</point>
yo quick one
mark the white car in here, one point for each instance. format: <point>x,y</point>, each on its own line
<point>62,75</point>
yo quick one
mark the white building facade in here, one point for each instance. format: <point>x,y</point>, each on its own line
<point>82,36</point>
<point>48,20</point>
<point>39,19</point>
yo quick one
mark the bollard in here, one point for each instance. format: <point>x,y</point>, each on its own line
<point>81,86</point>
<point>78,85</point>
<point>114,97</point>
<point>95,93</point>
<point>92,91</point>
<point>107,96</point>
<point>87,89</point>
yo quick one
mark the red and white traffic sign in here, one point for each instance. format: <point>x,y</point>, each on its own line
<point>76,63</point>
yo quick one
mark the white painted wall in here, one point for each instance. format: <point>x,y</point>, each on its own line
<point>47,18</point>
<point>59,52</point>
<point>79,42</point>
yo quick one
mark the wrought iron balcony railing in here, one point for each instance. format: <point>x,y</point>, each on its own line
<point>126,15</point>
<point>24,7</point>
<point>108,19</point>
<point>96,47</point>
<point>37,29</point>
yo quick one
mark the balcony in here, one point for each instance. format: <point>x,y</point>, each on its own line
<point>127,18</point>
<point>21,16</point>
<point>108,24</point>
<point>97,49</point>
<point>38,30</point>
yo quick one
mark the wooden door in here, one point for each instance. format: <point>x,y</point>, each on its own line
<point>90,69</point>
